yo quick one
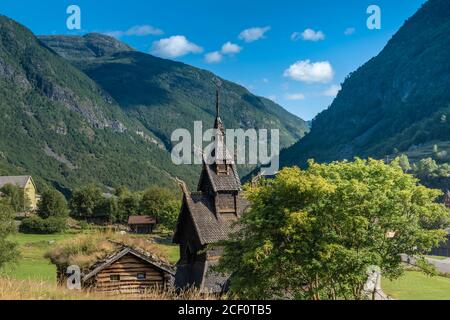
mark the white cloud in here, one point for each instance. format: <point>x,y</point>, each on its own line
<point>308,35</point>
<point>231,48</point>
<point>294,96</point>
<point>143,30</point>
<point>173,47</point>
<point>253,34</point>
<point>332,91</point>
<point>228,48</point>
<point>307,71</point>
<point>349,31</point>
<point>265,80</point>
<point>213,57</point>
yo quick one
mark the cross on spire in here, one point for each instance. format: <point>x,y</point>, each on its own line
<point>218,85</point>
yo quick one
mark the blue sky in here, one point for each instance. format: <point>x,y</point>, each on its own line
<point>296,52</point>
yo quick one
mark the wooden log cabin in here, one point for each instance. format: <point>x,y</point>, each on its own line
<point>141,224</point>
<point>129,271</point>
<point>206,217</point>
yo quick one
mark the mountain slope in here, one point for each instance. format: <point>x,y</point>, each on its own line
<point>397,101</point>
<point>165,95</point>
<point>112,127</point>
<point>61,127</point>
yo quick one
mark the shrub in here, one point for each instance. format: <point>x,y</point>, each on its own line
<point>15,197</point>
<point>316,233</point>
<point>38,225</point>
<point>8,250</point>
<point>52,204</point>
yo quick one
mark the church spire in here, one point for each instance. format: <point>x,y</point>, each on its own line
<point>217,103</point>
<point>218,122</point>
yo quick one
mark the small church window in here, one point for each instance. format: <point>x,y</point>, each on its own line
<point>141,276</point>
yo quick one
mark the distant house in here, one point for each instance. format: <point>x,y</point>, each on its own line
<point>141,224</point>
<point>129,271</point>
<point>26,183</point>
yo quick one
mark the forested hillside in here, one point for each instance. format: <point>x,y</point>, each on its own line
<point>111,126</point>
<point>61,127</point>
<point>397,102</point>
<point>165,95</point>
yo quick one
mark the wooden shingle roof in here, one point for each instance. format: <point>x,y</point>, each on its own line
<point>230,182</point>
<point>141,220</point>
<point>147,257</point>
<point>210,228</point>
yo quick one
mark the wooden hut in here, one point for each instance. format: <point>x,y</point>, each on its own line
<point>129,271</point>
<point>141,224</point>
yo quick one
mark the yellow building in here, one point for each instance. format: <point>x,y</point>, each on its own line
<point>27,184</point>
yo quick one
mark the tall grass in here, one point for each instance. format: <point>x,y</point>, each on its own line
<point>84,250</point>
<point>11,289</point>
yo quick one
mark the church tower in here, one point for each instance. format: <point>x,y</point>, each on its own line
<point>207,216</point>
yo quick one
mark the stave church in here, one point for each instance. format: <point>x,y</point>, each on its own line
<point>207,216</point>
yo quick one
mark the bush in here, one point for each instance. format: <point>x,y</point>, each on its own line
<point>8,249</point>
<point>15,197</point>
<point>316,233</point>
<point>43,226</point>
<point>162,204</point>
<point>52,204</point>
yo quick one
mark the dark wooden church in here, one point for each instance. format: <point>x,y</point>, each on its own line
<point>207,216</point>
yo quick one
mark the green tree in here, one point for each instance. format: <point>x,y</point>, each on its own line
<point>443,170</point>
<point>8,249</point>
<point>52,204</point>
<point>15,197</point>
<point>50,225</point>
<point>108,207</point>
<point>52,213</point>
<point>426,168</point>
<point>315,233</point>
<point>84,201</point>
<point>404,163</point>
<point>435,149</point>
<point>161,203</point>
<point>128,204</point>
